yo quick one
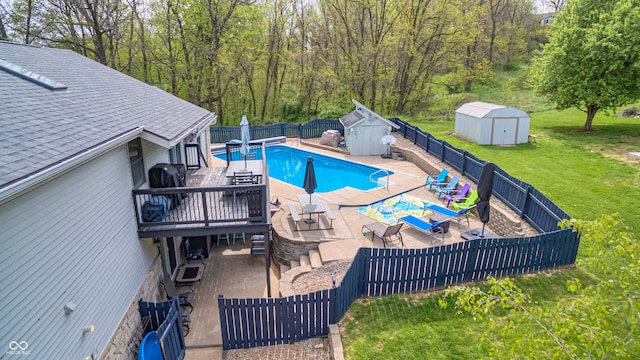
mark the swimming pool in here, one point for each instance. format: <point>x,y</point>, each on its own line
<point>288,164</point>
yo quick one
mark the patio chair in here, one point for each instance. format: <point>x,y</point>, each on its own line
<point>446,187</point>
<point>244,177</point>
<point>384,232</point>
<point>185,295</point>
<point>425,226</point>
<point>433,180</point>
<point>450,213</point>
<point>468,202</point>
<point>456,195</point>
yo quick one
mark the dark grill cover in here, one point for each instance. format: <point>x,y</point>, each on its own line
<point>165,175</point>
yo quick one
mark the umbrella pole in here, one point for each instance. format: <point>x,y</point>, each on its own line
<point>482,235</point>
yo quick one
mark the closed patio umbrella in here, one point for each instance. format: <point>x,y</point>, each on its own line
<point>245,136</point>
<point>310,183</point>
<point>485,188</point>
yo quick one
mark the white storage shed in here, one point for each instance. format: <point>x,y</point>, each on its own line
<point>490,124</point>
<point>363,131</point>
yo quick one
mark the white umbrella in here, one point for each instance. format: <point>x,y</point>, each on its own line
<point>245,136</point>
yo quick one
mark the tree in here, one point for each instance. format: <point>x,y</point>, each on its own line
<point>592,60</point>
<point>598,321</point>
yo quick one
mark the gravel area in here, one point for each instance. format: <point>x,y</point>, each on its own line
<point>312,349</point>
<point>320,278</point>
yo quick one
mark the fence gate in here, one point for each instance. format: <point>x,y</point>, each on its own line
<point>166,321</point>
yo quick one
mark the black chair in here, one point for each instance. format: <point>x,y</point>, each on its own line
<point>193,254</point>
<point>185,296</point>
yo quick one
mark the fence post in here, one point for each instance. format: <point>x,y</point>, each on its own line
<point>333,305</point>
<point>526,200</point>
<point>223,323</point>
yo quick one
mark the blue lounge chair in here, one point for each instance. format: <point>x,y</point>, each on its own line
<point>447,187</point>
<point>433,180</point>
<point>424,226</point>
<point>450,213</point>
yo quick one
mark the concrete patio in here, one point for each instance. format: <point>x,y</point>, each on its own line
<point>232,272</point>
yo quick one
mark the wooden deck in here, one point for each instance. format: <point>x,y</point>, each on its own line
<point>207,206</point>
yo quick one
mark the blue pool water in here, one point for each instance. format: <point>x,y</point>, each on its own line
<point>288,164</point>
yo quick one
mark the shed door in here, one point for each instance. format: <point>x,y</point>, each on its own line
<point>504,131</point>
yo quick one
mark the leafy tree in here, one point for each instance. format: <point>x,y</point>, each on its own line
<point>592,60</point>
<point>592,322</point>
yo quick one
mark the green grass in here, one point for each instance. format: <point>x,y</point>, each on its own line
<point>583,172</point>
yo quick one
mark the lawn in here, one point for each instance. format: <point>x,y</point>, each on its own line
<point>586,173</point>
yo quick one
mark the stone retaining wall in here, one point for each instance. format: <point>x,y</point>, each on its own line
<point>125,342</point>
<point>285,250</point>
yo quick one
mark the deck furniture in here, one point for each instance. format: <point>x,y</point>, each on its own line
<point>445,188</point>
<point>257,246</point>
<point>294,213</point>
<point>384,232</point>
<point>433,179</point>
<point>467,203</point>
<point>185,296</point>
<point>328,213</point>
<point>193,254</point>
<point>189,273</point>
<point>254,166</point>
<point>456,195</point>
<point>423,225</point>
<point>450,213</point>
<point>310,204</point>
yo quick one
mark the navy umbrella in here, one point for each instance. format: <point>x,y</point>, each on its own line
<point>485,188</point>
<point>310,183</point>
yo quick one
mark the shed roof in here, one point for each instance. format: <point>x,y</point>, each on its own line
<point>360,113</point>
<point>478,108</point>
<point>94,104</point>
<point>351,118</point>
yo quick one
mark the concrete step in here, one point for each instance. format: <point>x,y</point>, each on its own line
<point>294,264</point>
<point>304,260</point>
<point>316,260</point>
<point>284,268</point>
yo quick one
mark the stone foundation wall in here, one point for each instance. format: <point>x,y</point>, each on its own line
<point>125,342</point>
<point>285,250</point>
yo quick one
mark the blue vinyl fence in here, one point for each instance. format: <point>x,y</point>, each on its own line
<point>312,129</point>
<point>248,323</point>
<point>166,321</point>
<point>377,272</point>
<point>533,206</point>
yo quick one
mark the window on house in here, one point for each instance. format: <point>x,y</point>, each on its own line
<point>137,165</point>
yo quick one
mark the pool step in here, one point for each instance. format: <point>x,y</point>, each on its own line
<point>316,260</point>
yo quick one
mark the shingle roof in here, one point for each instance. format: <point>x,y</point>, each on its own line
<point>40,127</point>
<point>478,108</point>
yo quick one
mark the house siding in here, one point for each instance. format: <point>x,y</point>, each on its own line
<point>73,239</point>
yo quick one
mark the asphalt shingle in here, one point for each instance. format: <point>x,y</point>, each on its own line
<point>39,127</point>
